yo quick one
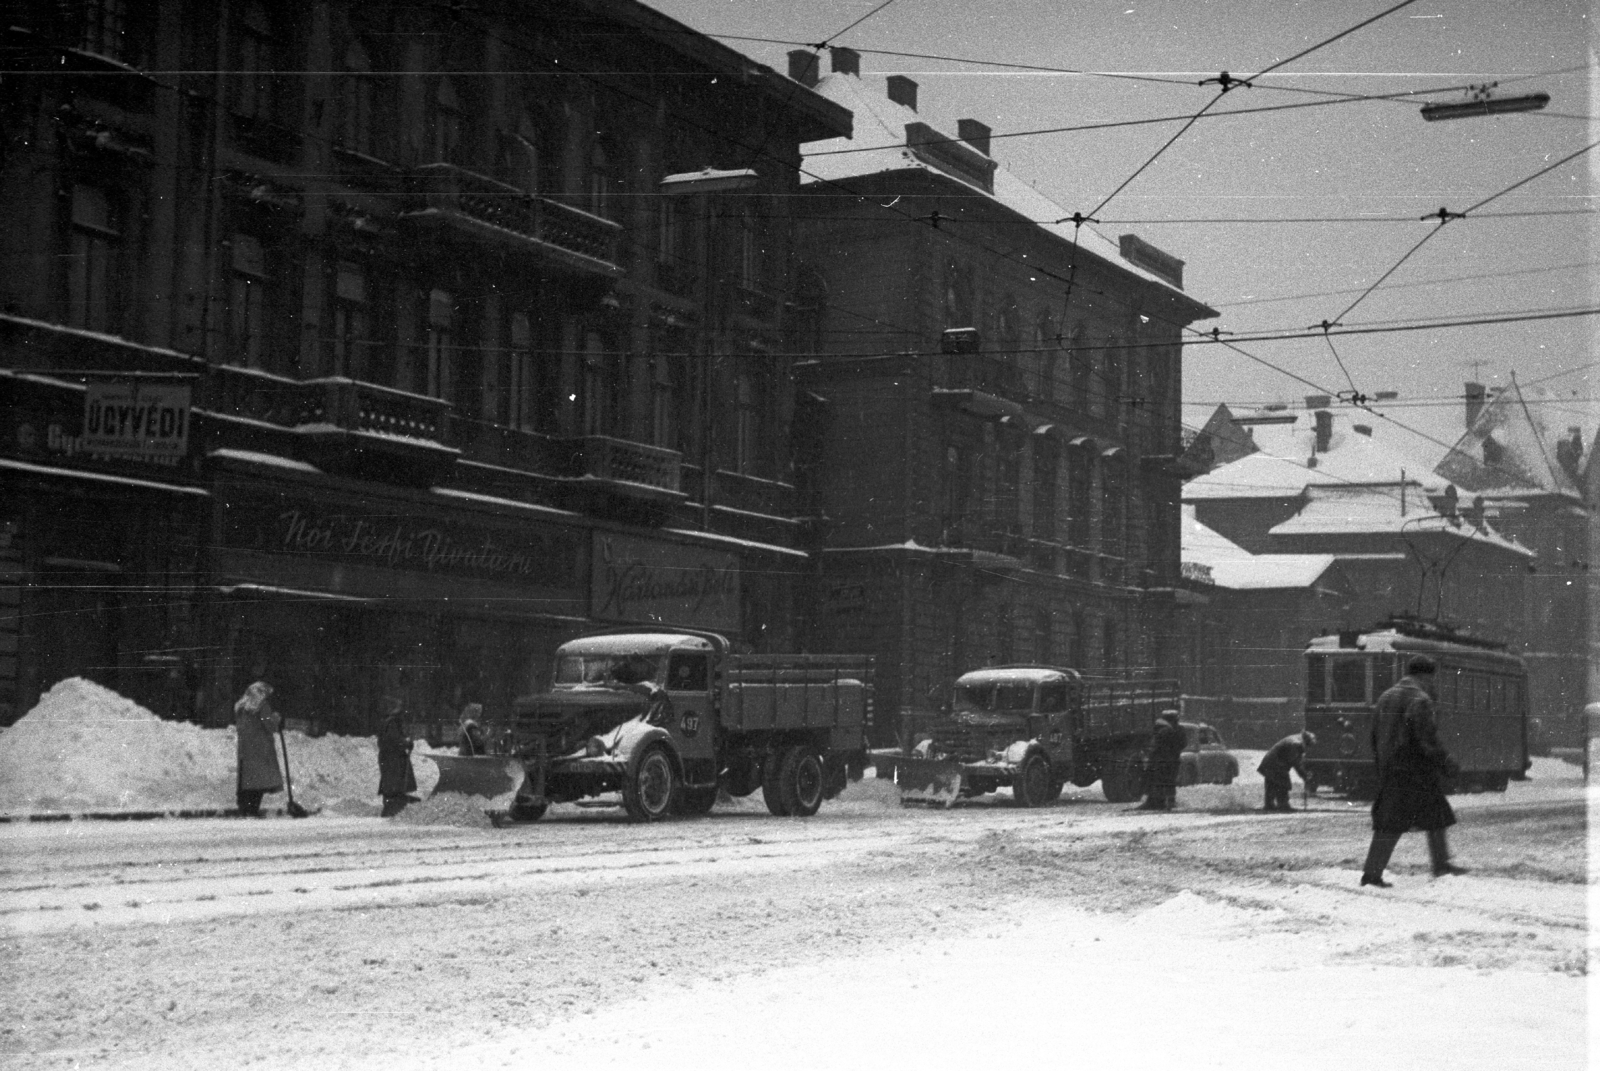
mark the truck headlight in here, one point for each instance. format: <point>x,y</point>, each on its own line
<point>594,748</point>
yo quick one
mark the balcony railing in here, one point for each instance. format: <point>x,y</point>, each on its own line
<point>648,471</point>
<point>498,212</point>
<point>352,405</point>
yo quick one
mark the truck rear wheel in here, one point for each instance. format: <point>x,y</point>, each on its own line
<point>650,792</point>
<point>803,781</point>
<point>1031,784</point>
<point>773,786</point>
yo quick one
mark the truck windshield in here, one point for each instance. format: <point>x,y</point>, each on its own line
<point>994,696</point>
<point>607,669</point>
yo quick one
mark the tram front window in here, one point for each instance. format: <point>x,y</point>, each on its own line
<point>1349,680</point>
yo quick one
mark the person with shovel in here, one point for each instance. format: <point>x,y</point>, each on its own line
<point>1286,755</point>
<point>396,780</point>
<point>255,722</point>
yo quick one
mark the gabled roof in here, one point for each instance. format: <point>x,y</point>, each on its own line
<point>1518,443</point>
<point>879,144</point>
<point>1286,463</point>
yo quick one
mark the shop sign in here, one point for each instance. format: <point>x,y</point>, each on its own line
<point>141,420</point>
<point>647,580</point>
<point>525,555</point>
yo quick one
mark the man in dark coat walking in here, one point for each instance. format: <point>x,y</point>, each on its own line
<point>1287,754</point>
<point>1161,768</point>
<point>395,777</point>
<point>1412,769</point>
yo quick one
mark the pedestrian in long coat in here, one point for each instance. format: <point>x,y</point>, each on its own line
<point>1287,754</point>
<point>1161,768</point>
<point>472,740</point>
<point>1412,769</point>
<point>395,777</point>
<point>255,722</point>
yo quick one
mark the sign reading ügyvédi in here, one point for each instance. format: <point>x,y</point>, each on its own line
<point>136,419</point>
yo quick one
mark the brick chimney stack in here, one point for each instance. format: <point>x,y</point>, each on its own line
<point>846,61</point>
<point>803,67</point>
<point>903,90</point>
<point>1475,401</point>
<point>973,133</point>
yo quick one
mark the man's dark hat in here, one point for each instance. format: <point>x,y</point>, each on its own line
<point>1420,664</point>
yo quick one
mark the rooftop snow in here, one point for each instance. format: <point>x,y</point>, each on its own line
<point>1515,444</point>
<point>1234,567</point>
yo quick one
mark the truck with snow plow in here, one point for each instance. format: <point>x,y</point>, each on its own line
<point>667,717</point>
<point>1033,728</point>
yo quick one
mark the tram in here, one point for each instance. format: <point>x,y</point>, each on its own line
<point>1481,703</point>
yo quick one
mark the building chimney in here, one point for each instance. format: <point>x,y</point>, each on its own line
<point>1475,398</point>
<point>1324,430</point>
<point>846,61</point>
<point>1318,401</point>
<point>1362,429</point>
<point>903,90</point>
<point>803,67</point>
<point>974,133</point>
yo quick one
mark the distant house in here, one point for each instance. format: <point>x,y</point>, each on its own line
<point>1523,462</point>
<point>1344,531</point>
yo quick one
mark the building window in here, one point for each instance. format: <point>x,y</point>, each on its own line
<point>105,29</point>
<point>1045,457</point>
<point>248,283</point>
<point>1080,479</point>
<point>439,343</point>
<point>521,398</point>
<point>1047,349</point>
<point>1043,635</point>
<point>958,304</point>
<point>1111,392</point>
<point>351,320</point>
<point>1111,650</point>
<point>595,386</point>
<point>1113,508</point>
<point>749,250</point>
<point>672,239</point>
<point>94,243</point>
<point>1082,359</point>
<point>446,123</point>
<point>662,403</point>
<point>602,181</point>
<point>255,63</point>
<point>357,102</point>
<point>1078,654</point>
<point>1008,483</point>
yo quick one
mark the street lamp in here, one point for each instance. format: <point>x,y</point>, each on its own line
<point>701,185</point>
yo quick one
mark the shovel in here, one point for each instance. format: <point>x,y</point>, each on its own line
<point>294,809</point>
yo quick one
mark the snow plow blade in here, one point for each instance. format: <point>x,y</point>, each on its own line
<point>477,775</point>
<point>922,780</point>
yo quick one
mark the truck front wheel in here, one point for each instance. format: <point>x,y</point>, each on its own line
<point>650,793</point>
<point>803,781</point>
<point>1032,782</point>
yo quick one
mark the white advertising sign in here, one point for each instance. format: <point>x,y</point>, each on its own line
<point>148,420</point>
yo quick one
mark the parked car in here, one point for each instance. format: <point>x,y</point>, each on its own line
<point>1206,760</point>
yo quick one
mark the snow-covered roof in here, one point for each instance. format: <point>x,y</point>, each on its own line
<point>878,144</point>
<point>1287,463</point>
<point>1231,566</point>
<point>1519,442</point>
<point>1011,674</point>
<point>635,643</point>
<point>1371,511</point>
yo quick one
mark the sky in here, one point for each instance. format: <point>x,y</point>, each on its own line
<point>1348,160</point>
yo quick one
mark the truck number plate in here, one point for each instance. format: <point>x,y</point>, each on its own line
<point>690,724</point>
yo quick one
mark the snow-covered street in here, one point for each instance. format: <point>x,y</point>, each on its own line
<point>1213,937</point>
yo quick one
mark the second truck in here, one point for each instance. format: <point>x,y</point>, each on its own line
<point>1033,728</point>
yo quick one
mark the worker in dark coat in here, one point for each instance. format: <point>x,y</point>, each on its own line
<point>1287,754</point>
<point>1161,768</point>
<point>395,777</point>
<point>1412,770</point>
<point>255,722</point>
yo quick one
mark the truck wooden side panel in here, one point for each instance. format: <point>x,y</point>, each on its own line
<point>1113,709</point>
<point>766,693</point>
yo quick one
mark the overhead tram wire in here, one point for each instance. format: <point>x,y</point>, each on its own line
<point>853,25</point>
<point>1445,216</point>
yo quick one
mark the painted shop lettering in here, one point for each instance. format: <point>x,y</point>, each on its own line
<point>398,544</point>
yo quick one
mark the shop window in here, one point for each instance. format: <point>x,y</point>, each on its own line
<point>248,285</point>
<point>256,60</point>
<point>358,93</point>
<point>95,244</point>
<point>351,320</point>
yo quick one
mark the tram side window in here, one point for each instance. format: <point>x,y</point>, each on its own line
<point>1382,674</point>
<point>1449,683</point>
<point>1316,680</point>
<point>1349,680</point>
<point>1497,695</point>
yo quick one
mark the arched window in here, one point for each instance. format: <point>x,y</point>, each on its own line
<point>1110,387</point>
<point>1082,368</point>
<point>1047,350</point>
<point>602,179</point>
<point>958,310</point>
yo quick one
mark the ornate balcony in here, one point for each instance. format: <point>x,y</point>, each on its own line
<point>444,195</point>
<point>629,469</point>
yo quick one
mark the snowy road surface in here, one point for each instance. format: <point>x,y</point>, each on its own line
<point>978,935</point>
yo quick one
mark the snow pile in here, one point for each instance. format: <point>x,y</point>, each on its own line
<point>86,748</point>
<point>1189,912</point>
<point>454,809</point>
